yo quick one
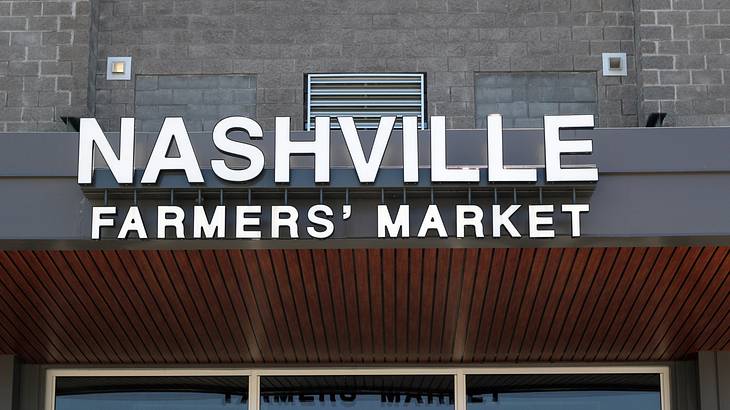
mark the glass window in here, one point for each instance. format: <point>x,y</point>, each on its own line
<point>152,393</point>
<point>358,392</point>
<point>564,392</point>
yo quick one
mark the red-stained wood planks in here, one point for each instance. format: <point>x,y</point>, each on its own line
<point>364,305</point>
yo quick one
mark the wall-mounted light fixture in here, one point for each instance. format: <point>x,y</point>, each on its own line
<point>614,65</point>
<point>119,68</point>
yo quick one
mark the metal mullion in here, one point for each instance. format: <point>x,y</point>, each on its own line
<point>254,391</point>
<point>459,391</point>
<point>309,103</point>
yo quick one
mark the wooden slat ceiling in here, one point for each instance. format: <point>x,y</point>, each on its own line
<point>364,305</point>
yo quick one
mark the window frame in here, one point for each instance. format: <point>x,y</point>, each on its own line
<point>254,375</point>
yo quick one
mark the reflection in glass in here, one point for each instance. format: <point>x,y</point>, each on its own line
<point>564,392</point>
<point>152,393</point>
<point>358,392</point>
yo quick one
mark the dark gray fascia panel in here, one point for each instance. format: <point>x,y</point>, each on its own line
<point>657,186</point>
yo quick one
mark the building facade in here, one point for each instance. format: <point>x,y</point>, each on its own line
<point>55,54</point>
<point>264,234</point>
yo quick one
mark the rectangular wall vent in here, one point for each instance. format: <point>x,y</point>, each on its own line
<point>366,97</point>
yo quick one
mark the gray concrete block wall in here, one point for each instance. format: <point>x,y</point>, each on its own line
<point>524,98</point>
<point>201,100</point>
<point>450,40</point>
<point>48,47</point>
<point>44,63</point>
<point>685,60</point>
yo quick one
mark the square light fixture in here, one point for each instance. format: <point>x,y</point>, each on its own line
<point>119,68</point>
<point>614,65</point>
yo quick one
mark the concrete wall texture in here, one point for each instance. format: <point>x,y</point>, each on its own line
<point>44,63</point>
<point>685,60</point>
<point>524,98</point>
<point>199,99</point>
<point>678,59</point>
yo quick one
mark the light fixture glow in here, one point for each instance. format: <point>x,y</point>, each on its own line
<point>118,67</point>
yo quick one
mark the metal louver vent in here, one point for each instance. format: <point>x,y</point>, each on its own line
<point>365,97</point>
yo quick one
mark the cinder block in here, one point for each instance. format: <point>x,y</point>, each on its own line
<point>704,17</point>
<point>46,23</point>
<point>587,33</point>
<point>20,68</point>
<point>717,31</point>
<point>717,4</point>
<point>704,47</point>
<point>557,62</point>
<point>31,114</point>
<point>12,23</point>
<point>26,8</point>
<point>659,93</point>
<point>618,5</point>
<point>153,97</point>
<point>145,82</point>
<point>708,106</point>
<point>56,68</point>
<point>57,8</point>
<point>707,77</point>
<point>528,122</point>
<point>12,53</point>
<point>657,62</point>
<point>220,96</point>
<point>691,92</point>
<point>655,33</point>
<point>694,62</point>
<point>461,6</point>
<point>674,77</point>
<point>244,96</point>
<point>541,109</point>
<point>187,96</point>
<point>175,82</point>
<point>585,5</point>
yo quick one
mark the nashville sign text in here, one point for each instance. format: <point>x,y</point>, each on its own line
<point>283,220</point>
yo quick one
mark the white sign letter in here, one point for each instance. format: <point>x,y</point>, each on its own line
<point>132,222</point>
<point>410,149</point>
<point>536,220</point>
<point>401,223</point>
<point>439,171</point>
<point>432,220</point>
<point>285,147</point>
<point>242,221</point>
<point>502,219</point>
<point>495,153</point>
<point>90,134</point>
<point>97,221</point>
<point>216,226</point>
<point>290,221</point>
<point>328,226</point>
<point>366,170</point>
<point>238,149</point>
<point>463,221</point>
<point>172,129</point>
<point>176,221</point>
<point>555,147</point>
<point>575,210</point>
